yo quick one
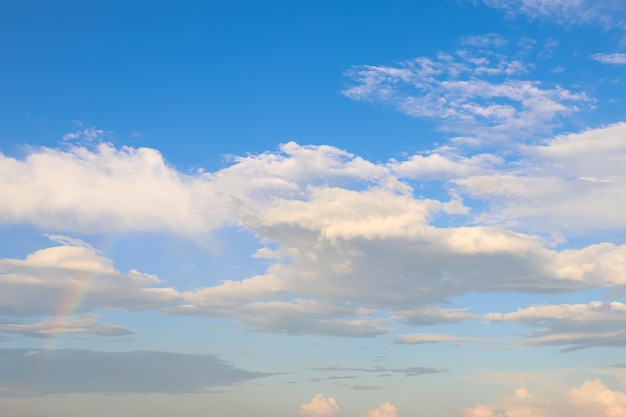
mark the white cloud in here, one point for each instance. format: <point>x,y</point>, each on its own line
<point>569,184</point>
<point>107,189</point>
<point>89,134</point>
<point>320,406</point>
<point>350,248</point>
<point>613,58</point>
<point>608,14</point>
<point>384,410</point>
<point>56,279</point>
<point>480,93</point>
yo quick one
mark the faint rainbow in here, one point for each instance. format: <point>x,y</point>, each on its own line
<point>74,297</point>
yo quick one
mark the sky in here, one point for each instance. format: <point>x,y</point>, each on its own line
<point>301,208</point>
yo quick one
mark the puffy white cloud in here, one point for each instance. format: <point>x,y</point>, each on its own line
<point>74,279</point>
<point>320,406</point>
<point>592,398</point>
<point>384,410</point>
<point>101,188</point>
<point>350,248</point>
<point>569,184</point>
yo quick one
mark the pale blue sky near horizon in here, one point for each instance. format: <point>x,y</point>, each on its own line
<point>312,208</point>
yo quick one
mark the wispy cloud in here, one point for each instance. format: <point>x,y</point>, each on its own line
<point>478,92</point>
<point>615,58</point>
<point>607,14</point>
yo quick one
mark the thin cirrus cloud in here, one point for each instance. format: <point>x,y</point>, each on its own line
<point>478,93</point>
<point>607,14</point>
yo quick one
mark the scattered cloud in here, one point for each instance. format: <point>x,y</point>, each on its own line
<point>478,92</point>
<point>613,58</point>
<point>607,14</point>
<point>89,134</point>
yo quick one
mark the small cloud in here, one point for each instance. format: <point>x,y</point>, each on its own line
<point>320,406</point>
<point>89,134</point>
<point>385,410</point>
<point>614,58</point>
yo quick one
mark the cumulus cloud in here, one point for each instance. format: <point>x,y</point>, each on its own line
<point>25,372</point>
<point>570,184</point>
<point>592,398</point>
<point>384,410</point>
<point>320,406</point>
<point>478,92</point>
<point>350,248</point>
<point>75,278</point>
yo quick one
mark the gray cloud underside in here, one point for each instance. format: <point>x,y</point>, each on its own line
<point>50,372</point>
<point>571,326</point>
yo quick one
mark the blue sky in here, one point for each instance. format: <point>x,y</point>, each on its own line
<point>313,209</point>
